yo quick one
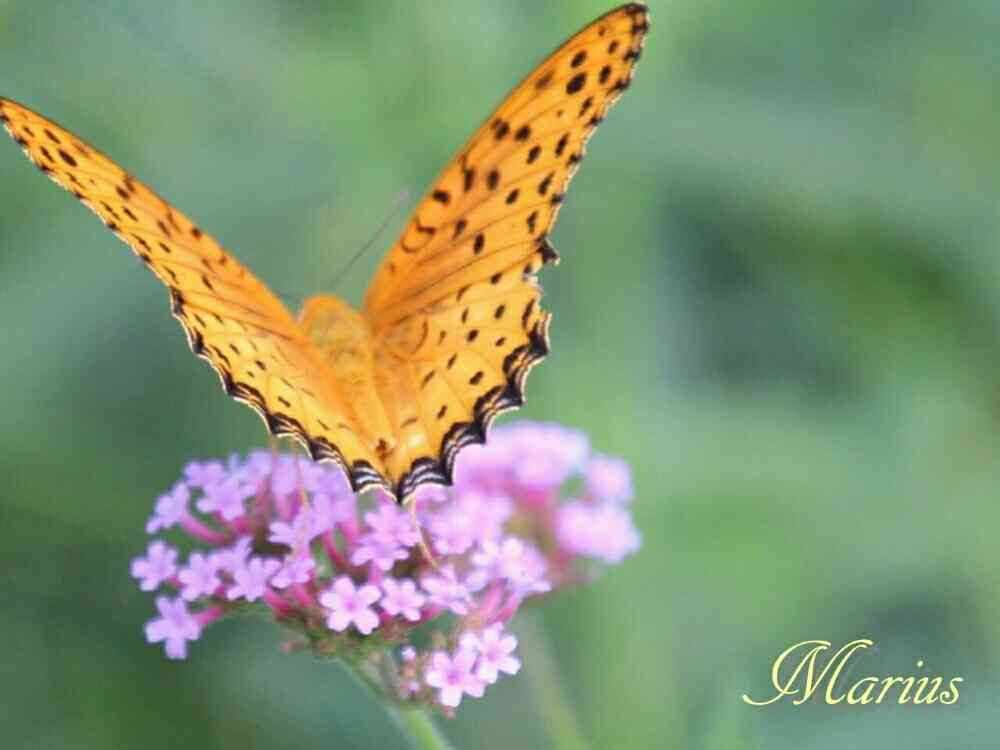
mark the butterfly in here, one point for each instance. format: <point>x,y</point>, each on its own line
<point>451,323</point>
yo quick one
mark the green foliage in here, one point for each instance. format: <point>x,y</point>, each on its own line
<point>779,301</point>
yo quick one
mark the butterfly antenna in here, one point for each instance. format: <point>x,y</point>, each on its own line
<point>293,300</point>
<point>401,199</point>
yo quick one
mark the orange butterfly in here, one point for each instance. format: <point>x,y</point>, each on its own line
<point>450,324</point>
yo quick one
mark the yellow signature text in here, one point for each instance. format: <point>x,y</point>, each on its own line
<point>813,669</point>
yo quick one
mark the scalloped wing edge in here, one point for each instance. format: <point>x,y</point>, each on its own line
<point>496,401</point>
<point>425,470</point>
<point>360,474</point>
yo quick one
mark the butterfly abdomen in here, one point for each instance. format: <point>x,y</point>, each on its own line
<point>344,339</point>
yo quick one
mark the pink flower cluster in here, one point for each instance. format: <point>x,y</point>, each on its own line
<point>348,572</point>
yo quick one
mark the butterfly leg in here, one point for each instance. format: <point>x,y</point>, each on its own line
<point>303,497</point>
<point>424,547</point>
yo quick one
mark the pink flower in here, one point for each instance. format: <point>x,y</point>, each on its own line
<point>609,479</point>
<point>453,677</point>
<point>470,518</point>
<point>347,604</point>
<point>512,560</point>
<point>380,551</point>
<point>603,531</point>
<point>300,532</point>
<point>291,474</point>
<point>495,650</point>
<point>297,568</point>
<point>258,467</point>
<point>547,454</point>
<point>447,591</point>
<point>401,597</point>
<point>391,523</point>
<point>487,513</point>
<point>329,510</point>
<point>200,577</point>
<point>334,483</point>
<point>227,498</point>
<point>484,468</point>
<point>159,564</point>
<point>170,509</point>
<point>232,558</point>
<point>175,626</point>
<point>292,533</point>
<point>251,579</point>
<point>204,474</point>
<point>430,493</point>
<point>451,532</point>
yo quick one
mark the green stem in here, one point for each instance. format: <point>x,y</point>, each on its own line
<point>554,705</point>
<point>413,722</point>
<point>418,727</point>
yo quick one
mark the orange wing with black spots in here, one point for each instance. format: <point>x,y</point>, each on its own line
<point>230,317</point>
<point>455,302</point>
<point>451,323</point>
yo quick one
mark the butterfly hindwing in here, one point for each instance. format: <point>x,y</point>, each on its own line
<point>463,364</point>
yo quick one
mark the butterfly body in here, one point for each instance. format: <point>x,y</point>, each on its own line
<point>343,337</point>
<point>451,323</point>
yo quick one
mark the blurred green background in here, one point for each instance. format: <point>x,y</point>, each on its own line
<point>778,300</point>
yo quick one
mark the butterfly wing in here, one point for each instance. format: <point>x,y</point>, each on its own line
<point>455,302</point>
<point>231,318</point>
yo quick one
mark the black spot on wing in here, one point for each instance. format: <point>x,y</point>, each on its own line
<point>576,83</point>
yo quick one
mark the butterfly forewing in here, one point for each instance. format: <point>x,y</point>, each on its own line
<point>231,318</point>
<point>496,201</point>
<point>460,278</point>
